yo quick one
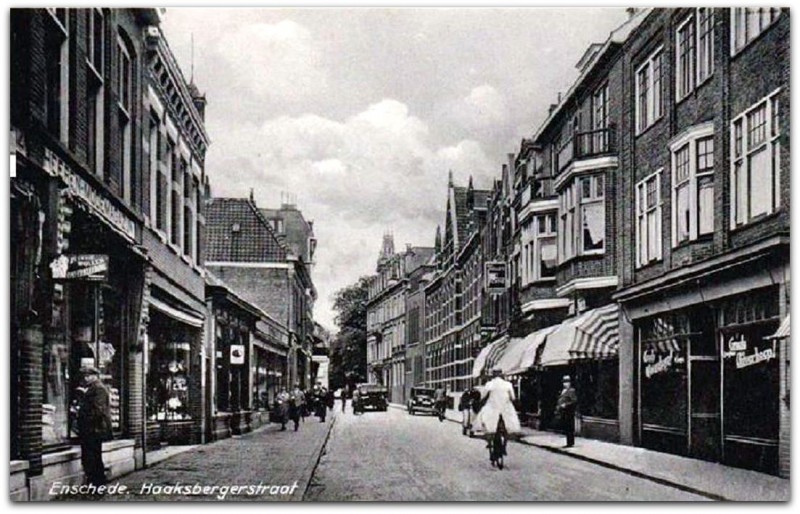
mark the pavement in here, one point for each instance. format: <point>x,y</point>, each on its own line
<point>709,479</point>
<point>267,464</point>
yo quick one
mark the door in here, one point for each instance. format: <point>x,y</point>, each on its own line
<point>704,408</point>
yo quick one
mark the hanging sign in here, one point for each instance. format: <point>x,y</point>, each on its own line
<point>661,365</point>
<point>237,354</point>
<point>495,273</point>
<point>87,267</point>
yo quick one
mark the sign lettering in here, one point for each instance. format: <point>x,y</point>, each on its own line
<point>660,366</point>
<point>495,273</point>
<point>87,267</point>
<point>744,361</point>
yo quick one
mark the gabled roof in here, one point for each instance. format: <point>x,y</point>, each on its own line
<point>237,232</point>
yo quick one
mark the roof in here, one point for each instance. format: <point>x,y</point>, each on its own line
<point>615,38</point>
<point>237,232</point>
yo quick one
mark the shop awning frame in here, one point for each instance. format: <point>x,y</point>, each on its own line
<point>591,335</point>
<point>176,314</point>
<point>783,331</point>
<point>483,357</point>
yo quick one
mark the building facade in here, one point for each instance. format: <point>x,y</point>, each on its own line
<point>705,235</point>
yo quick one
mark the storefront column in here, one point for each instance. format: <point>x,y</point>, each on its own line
<point>627,379</point>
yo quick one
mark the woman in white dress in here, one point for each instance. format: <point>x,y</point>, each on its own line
<point>498,395</point>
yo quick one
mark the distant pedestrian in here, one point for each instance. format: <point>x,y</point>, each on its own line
<point>465,406</point>
<point>94,425</point>
<point>297,403</point>
<point>567,403</point>
<point>345,391</point>
<point>282,403</point>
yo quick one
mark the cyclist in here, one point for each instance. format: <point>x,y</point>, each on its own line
<point>498,395</point>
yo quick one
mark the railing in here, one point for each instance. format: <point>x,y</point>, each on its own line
<point>583,145</point>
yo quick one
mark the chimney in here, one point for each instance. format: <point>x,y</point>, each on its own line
<point>631,12</point>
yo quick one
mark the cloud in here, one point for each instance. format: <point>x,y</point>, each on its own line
<point>373,171</point>
<point>283,60</point>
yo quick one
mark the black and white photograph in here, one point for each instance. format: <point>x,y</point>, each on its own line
<point>374,253</point>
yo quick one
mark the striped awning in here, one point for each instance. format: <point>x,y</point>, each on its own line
<point>488,356</point>
<point>520,355</point>
<point>591,335</point>
<point>783,330</point>
<point>597,334</point>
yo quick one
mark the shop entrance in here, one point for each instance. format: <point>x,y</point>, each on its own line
<point>704,385</point>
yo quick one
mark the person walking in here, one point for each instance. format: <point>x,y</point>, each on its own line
<point>297,403</point>
<point>345,391</point>
<point>282,402</point>
<point>465,406</point>
<point>565,408</point>
<point>94,425</point>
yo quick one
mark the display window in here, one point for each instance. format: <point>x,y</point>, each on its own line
<point>169,369</point>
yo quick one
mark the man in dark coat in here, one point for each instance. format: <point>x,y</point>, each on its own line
<point>94,426</point>
<point>565,407</point>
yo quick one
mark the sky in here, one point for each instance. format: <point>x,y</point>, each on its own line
<point>360,113</point>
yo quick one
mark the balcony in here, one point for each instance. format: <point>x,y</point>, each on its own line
<point>585,145</point>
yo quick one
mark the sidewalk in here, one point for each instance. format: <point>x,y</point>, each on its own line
<point>281,461</point>
<point>707,478</point>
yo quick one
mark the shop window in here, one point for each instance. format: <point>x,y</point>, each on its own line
<point>598,388</point>
<point>169,355</point>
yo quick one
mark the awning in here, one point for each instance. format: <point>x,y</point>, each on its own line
<point>597,336</point>
<point>176,314</point>
<point>592,335</point>
<point>783,330</point>
<point>520,354</point>
<point>487,357</point>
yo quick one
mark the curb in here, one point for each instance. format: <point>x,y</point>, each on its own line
<point>609,465</point>
<point>319,458</point>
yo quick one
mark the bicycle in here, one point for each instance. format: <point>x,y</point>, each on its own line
<point>497,444</point>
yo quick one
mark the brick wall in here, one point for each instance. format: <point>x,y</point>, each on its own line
<point>268,288</point>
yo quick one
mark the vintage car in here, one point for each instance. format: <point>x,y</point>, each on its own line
<point>372,396</point>
<point>421,400</point>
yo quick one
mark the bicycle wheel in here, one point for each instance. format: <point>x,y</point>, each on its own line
<point>497,449</point>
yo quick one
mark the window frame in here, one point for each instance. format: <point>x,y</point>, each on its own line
<point>654,111</point>
<point>735,19</point>
<point>683,75</point>
<point>703,31</point>
<point>643,212</point>
<point>63,97</point>
<point>740,143</point>
<point>539,238</point>
<point>689,140</point>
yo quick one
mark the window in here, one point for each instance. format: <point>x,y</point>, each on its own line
<point>169,209</point>
<point>649,91</point>
<point>57,73</point>
<point>95,94</point>
<point>648,219</point>
<point>156,195</point>
<point>124,100</point>
<point>748,22</point>
<point>545,254</point>
<point>705,43</point>
<point>685,40</point>
<point>582,216</point>
<point>755,172</point>
<point>599,139</point>
<point>693,184</point>
<point>593,213</point>
<point>694,50</point>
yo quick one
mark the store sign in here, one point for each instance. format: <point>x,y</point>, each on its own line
<point>237,354</point>
<point>100,205</point>
<point>495,273</point>
<point>737,345</point>
<point>87,267</point>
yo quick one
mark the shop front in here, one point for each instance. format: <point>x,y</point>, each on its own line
<point>709,380</point>
<point>77,280</point>
<point>173,371</point>
<point>268,370</point>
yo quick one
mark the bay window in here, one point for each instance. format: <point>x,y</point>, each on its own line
<point>582,217</point>
<point>693,184</point>
<point>755,170</point>
<point>648,219</point>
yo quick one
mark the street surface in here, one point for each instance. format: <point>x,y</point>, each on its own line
<point>384,456</point>
<point>381,456</point>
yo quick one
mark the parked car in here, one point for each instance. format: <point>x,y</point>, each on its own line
<point>373,396</point>
<point>421,400</point>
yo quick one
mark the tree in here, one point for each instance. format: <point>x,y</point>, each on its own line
<point>349,347</point>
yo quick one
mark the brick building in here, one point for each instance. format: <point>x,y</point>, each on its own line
<point>253,258</point>
<point>80,270</point>
<point>454,291</point>
<point>387,316</point>
<point>704,239</point>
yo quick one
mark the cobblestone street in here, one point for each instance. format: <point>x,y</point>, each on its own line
<point>266,456</point>
<point>386,456</point>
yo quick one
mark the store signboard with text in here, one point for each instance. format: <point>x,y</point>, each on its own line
<point>85,267</point>
<point>496,277</point>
